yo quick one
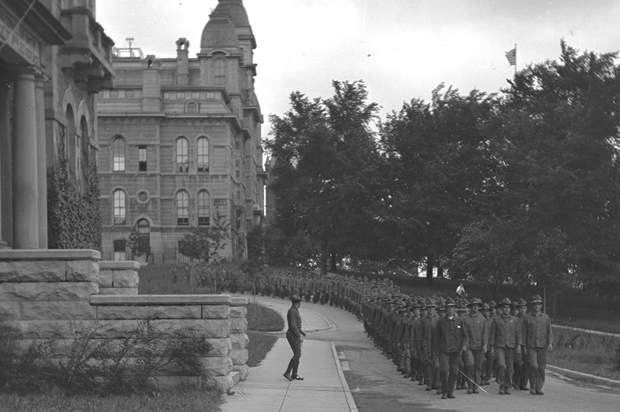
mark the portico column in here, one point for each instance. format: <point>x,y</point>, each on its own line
<point>41,161</point>
<point>25,188</point>
<point>6,182</point>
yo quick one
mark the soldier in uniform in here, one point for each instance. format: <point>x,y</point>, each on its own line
<point>417,340</point>
<point>477,338</point>
<point>428,326</point>
<point>487,364</point>
<point>294,336</point>
<point>451,340</point>
<point>521,363</point>
<point>538,339</point>
<point>506,340</point>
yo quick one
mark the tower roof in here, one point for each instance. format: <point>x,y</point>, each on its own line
<point>219,33</point>
<point>235,11</point>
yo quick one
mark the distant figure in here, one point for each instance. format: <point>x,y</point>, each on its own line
<point>460,291</point>
<point>174,273</point>
<point>294,336</point>
<point>187,274</point>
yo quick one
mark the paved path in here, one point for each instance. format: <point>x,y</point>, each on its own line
<point>373,381</point>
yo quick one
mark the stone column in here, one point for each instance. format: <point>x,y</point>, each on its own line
<point>25,188</point>
<point>6,183</point>
<point>41,161</point>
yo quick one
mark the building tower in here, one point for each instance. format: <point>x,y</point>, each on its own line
<point>180,142</point>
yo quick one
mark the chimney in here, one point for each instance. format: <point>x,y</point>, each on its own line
<point>182,76</point>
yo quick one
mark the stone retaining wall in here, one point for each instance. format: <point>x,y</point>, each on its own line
<point>49,294</point>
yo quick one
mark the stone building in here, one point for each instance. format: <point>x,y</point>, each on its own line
<point>54,58</point>
<point>180,141</point>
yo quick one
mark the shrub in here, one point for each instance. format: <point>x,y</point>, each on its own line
<point>100,366</point>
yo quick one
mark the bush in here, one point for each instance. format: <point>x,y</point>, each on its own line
<point>100,366</point>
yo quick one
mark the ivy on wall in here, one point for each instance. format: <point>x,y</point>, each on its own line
<point>74,221</point>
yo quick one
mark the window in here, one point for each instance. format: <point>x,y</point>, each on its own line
<point>192,107</point>
<point>114,94</point>
<point>220,73</point>
<point>78,159</point>
<point>166,95</point>
<point>182,155</point>
<point>120,208</point>
<point>118,155</point>
<point>119,249</point>
<point>142,158</point>
<point>121,94</point>
<point>195,95</point>
<point>129,94</point>
<point>182,208</point>
<point>203,209</point>
<point>203,155</point>
<point>180,95</point>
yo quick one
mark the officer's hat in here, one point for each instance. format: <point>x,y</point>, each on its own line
<point>536,299</point>
<point>295,298</point>
<point>505,302</point>
<point>475,301</point>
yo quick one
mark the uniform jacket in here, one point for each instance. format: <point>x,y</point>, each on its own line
<point>450,335</point>
<point>477,331</point>
<point>505,332</point>
<point>537,330</point>
<point>293,319</point>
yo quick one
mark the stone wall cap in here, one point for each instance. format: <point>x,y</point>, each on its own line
<point>159,300</point>
<point>118,264</point>
<point>49,254</point>
<point>239,301</point>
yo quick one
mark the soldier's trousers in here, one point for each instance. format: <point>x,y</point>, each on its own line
<point>505,369</point>
<point>473,366</point>
<point>448,371</point>
<point>404,359</point>
<point>538,362</point>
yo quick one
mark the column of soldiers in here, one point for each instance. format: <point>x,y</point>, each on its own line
<point>442,344</point>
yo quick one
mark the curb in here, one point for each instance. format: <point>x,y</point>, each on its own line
<point>610,383</point>
<point>343,381</point>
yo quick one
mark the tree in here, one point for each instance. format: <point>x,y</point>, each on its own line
<point>556,139</point>
<point>441,172</point>
<point>139,242</point>
<point>203,244</point>
<point>326,157</point>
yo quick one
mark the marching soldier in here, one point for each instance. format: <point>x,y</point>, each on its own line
<point>451,340</point>
<point>538,339</point>
<point>477,338</point>
<point>506,341</point>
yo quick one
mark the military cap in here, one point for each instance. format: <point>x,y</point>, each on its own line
<point>450,302</point>
<point>475,301</point>
<point>416,304</point>
<point>492,304</point>
<point>522,302</point>
<point>295,298</point>
<point>430,303</point>
<point>486,306</point>
<point>536,299</point>
<point>505,302</point>
<point>422,306</point>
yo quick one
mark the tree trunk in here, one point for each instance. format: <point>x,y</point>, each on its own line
<point>332,263</point>
<point>430,262</point>
<point>439,271</point>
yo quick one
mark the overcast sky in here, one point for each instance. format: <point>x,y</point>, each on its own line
<point>401,48</point>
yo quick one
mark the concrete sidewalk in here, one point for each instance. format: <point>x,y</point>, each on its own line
<point>324,387</point>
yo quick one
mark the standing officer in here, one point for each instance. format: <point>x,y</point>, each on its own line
<point>538,339</point>
<point>294,336</point>
<point>451,341</point>
<point>506,341</point>
<point>477,337</point>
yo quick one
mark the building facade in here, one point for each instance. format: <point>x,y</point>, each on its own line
<point>54,58</point>
<point>180,142</point>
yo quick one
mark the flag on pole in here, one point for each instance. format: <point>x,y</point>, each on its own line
<point>511,55</point>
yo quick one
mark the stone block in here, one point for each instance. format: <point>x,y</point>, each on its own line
<point>10,310</point>
<point>58,310</point>
<point>82,271</point>
<point>33,271</point>
<point>239,356</point>
<point>238,312</point>
<point>125,278</point>
<point>244,371</point>
<point>209,328</point>
<point>215,311</point>
<point>118,291</point>
<point>220,347</point>
<point>45,329</point>
<point>106,279</point>
<point>157,300</point>
<point>225,383</point>
<point>238,325</point>
<point>47,291</point>
<point>219,366</point>
<point>239,340</point>
<point>149,312</point>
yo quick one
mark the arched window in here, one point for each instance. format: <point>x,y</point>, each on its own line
<point>192,107</point>
<point>203,155</point>
<point>219,73</point>
<point>182,208</point>
<point>182,155</point>
<point>120,207</point>
<point>118,154</point>
<point>204,211</point>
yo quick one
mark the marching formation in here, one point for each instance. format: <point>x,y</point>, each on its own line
<point>441,343</point>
